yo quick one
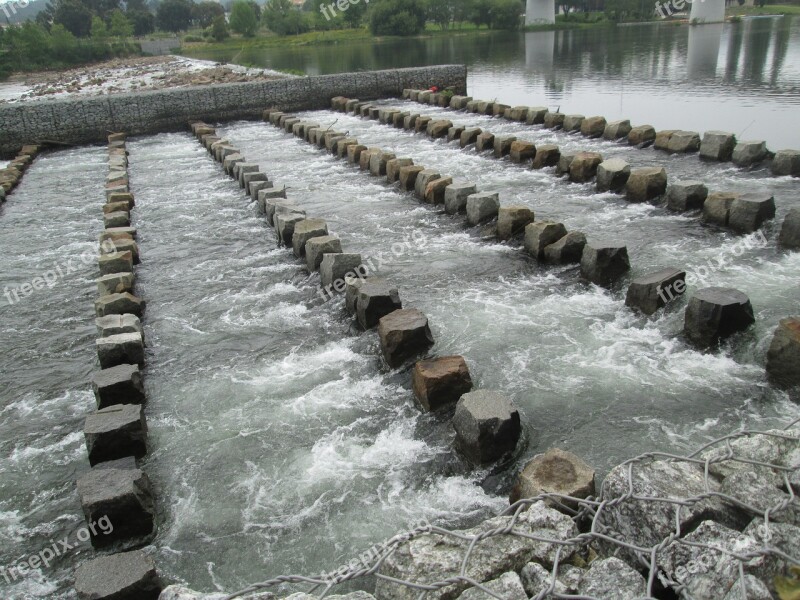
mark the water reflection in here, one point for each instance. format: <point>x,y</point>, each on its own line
<point>704,44</point>
<point>634,72</point>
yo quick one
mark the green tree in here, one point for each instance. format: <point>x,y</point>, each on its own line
<point>204,13</point>
<point>143,21</point>
<point>397,17</point>
<point>121,27</point>
<point>506,14</point>
<point>99,30</point>
<point>174,15</point>
<point>219,28</point>
<point>281,17</point>
<point>74,16</point>
<point>443,12</point>
<point>480,12</point>
<point>63,42</point>
<point>243,18</point>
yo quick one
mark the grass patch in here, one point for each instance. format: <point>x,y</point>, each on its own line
<point>770,9</point>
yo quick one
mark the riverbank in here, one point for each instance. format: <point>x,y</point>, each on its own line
<point>127,75</point>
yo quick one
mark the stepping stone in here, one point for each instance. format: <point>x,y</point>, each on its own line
<point>512,220</point>
<point>114,324</point>
<point>717,145</point>
<point>439,382</point>
<point>118,385</point>
<point>783,355</point>
<point>502,145</point>
<point>119,304</point>
<point>424,177</point>
<point>535,115</point>
<point>393,168</point>
<point>540,234</point>
<point>115,283</point>
<point>642,135</point>
<point>554,120</point>
<point>334,268</point>
<point>408,177</point>
<point>122,576</point>
<point>573,123</point>
<point>686,195</point>
<point>522,151</point>
<point>749,153</point>
<point>790,231</point>
<point>434,191</point>
<point>604,264</point>
<point>115,432</point>
<point>584,166</point>
<point>646,184</point>
<point>304,231</point>
<point>749,212</point>
<point>786,162</point>
<point>555,472</point>
<point>567,250</point>
<point>684,142</point>
<point>593,127</point>
<point>617,130</point>
<point>482,207</point>
<point>376,298</point>
<point>655,290</point>
<point>119,349</point>
<point>404,334</point>
<point>487,426</point>
<point>469,136</point>
<point>716,313</point>
<point>485,141</point>
<point>455,197</point>
<point>317,247</point>
<point>121,497</point>
<point>717,208</point>
<point>612,175</point>
<point>547,155</point>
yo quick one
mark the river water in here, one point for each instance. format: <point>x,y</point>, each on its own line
<point>740,77</point>
<point>279,444</point>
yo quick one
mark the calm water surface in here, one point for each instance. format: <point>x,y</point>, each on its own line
<point>740,77</point>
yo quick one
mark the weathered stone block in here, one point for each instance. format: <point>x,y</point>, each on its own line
<point>120,496</point>
<point>783,356</point>
<point>790,231</point>
<point>438,129</point>
<point>375,299</point>
<point>121,245</point>
<point>424,177</point>
<point>115,432</point>
<point>121,384</point>
<point>684,142</point>
<point>617,130</point>
<point>567,250</point>
<point>642,135</point>
<point>408,177</point>
<point>522,151</point>
<point>285,223</point>
<point>645,184</point>
<point>573,122</point>
<point>786,162</point>
<point>118,304</point>
<point>454,133</point>
<point>482,207</point>
<point>354,153</point>
<point>434,191</point>
<point>114,324</point>
<point>455,197</point>
<point>487,426</point>
<point>535,115</point>
<point>440,382</point>
<point>317,247</point>
<point>593,127</point>
<point>119,349</point>
<point>749,153</point>
<point>540,234</point>
<point>717,208</point>
<point>393,168</point>
<point>117,219</point>
<point>686,195</point>
<point>115,283</point>
<point>485,141</point>
<point>512,220</point>
<point>403,334</point>
<point>555,472</point>
<point>604,264</point>
<point>469,136</point>
<point>122,576</point>
<point>547,155</point>
<point>502,145</point>
<point>662,139</point>
<point>553,120</point>
<point>715,313</point>
<point>750,211</point>
<point>717,145</point>
<point>304,231</point>
<point>612,175</point>
<point>334,267</point>
<point>584,166</point>
<point>655,290</point>
<point>564,164</point>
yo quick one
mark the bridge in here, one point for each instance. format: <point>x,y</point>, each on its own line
<point>543,12</point>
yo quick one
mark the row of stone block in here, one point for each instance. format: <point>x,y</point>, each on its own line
<point>546,241</point>
<point>115,488</point>
<point>12,174</point>
<point>404,333</point>
<point>717,146</point>
<point>743,213</point>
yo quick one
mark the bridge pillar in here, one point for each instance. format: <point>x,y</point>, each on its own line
<point>541,12</point>
<point>707,11</point>
<point>704,44</point>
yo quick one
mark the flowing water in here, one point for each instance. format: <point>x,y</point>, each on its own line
<point>279,444</point>
<point>739,77</point>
